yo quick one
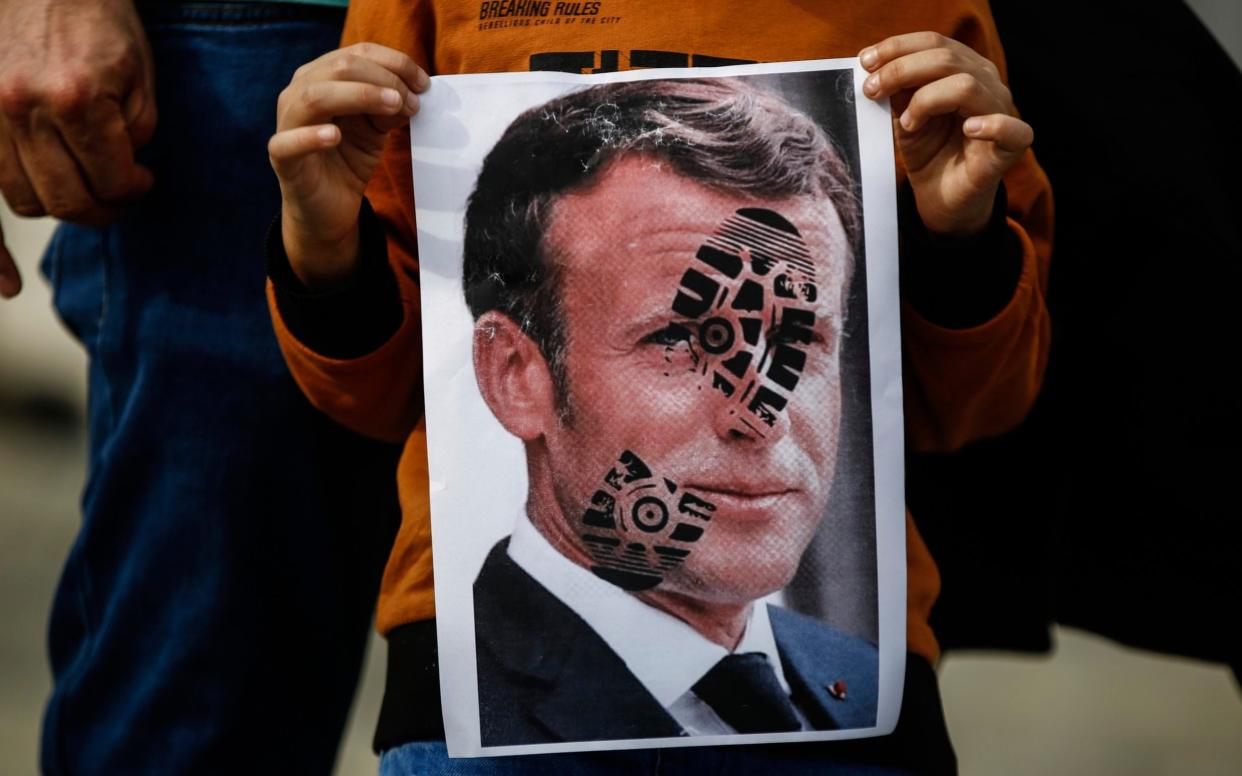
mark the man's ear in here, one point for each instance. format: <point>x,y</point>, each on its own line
<point>513,376</point>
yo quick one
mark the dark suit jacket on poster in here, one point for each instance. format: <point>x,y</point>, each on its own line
<point>545,676</point>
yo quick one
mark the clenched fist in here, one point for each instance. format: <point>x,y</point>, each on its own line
<point>77,97</point>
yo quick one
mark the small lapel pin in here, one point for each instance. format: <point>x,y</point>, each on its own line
<point>837,689</point>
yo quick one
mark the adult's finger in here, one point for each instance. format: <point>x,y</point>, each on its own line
<point>961,93</point>
<point>10,278</point>
<point>14,183</point>
<point>56,178</point>
<point>98,139</point>
<point>318,102</point>
<point>896,46</point>
<point>140,116</point>
<point>1009,133</point>
<point>922,67</point>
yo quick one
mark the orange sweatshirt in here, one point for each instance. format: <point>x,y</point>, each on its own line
<point>960,384</point>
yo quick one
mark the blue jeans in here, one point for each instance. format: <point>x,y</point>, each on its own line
<point>430,758</point>
<point>213,611</point>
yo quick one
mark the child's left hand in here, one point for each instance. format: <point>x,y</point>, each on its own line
<point>955,125</point>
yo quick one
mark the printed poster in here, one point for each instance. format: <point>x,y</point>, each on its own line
<point>663,392</point>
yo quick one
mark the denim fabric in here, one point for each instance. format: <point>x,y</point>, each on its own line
<point>430,758</point>
<point>213,611</point>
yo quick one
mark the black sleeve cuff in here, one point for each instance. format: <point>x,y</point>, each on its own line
<point>351,320</point>
<point>958,283</point>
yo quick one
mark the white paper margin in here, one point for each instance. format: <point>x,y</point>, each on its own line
<point>450,393</point>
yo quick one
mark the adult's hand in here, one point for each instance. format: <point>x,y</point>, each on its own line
<point>76,99</point>
<point>956,125</point>
<point>331,122</point>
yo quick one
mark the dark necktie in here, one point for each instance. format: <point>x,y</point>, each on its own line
<point>744,691</point>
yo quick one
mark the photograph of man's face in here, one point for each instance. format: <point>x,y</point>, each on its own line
<point>701,336</point>
<point>688,318</point>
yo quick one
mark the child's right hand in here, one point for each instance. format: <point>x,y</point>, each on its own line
<point>331,122</point>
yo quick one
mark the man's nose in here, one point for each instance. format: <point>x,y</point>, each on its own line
<point>754,415</point>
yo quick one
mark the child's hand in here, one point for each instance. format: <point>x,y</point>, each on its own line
<point>956,129</point>
<point>331,122</point>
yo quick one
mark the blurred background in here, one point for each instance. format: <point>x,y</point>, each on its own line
<point>1087,706</point>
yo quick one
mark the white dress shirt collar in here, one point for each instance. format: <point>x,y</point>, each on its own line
<point>665,654</point>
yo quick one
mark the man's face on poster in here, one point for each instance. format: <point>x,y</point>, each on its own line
<point>702,366</point>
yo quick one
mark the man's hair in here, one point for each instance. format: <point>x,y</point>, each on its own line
<point>719,132</point>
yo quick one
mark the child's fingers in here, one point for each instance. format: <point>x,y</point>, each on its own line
<point>960,93</point>
<point>315,102</point>
<point>394,61</point>
<point>1010,133</point>
<point>286,149</point>
<point>887,50</point>
<point>922,67</point>
<point>350,67</point>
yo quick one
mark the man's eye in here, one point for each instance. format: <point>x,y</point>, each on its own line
<point>672,334</point>
<point>788,335</point>
<point>799,335</point>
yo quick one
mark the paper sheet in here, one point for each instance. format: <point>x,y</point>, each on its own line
<point>667,425</point>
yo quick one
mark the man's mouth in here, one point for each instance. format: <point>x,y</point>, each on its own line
<point>757,502</point>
